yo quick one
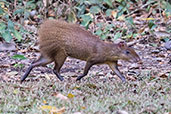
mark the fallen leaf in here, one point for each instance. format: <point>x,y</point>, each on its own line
<point>15,91</point>
<point>47,77</point>
<point>161,62</point>
<point>57,111</point>
<point>4,66</point>
<point>131,78</point>
<point>12,73</point>
<point>163,76</point>
<point>141,30</point>
<point>60,96</point>
<point>153,77</point>
<point>148,19</point>
<point>92,86</point>
<point>76,87</point>
<point>114,14</point>
<point>83,107</point>
<point>51,13</point>
<point>77,112</point>
<point>47,107</point>
<point>44,101</point>
<point>121,112</point>
<point>70,95</point>
<point>26,22</point>
<point>52,109</point>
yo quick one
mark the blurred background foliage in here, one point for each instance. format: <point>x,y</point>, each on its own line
<point>104,17</point>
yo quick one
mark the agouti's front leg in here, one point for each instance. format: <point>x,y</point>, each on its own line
<point>40,62</point>
<point>115,69</point>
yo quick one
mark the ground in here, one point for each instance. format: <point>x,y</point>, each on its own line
<point>147,90</point>
<point>145,24</point>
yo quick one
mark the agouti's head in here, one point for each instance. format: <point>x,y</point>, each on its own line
<point>127,53</point>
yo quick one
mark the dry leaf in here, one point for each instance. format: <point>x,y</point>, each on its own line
<point>4,66</point>
<point>12,73</point>
<point>47,77</point>
<point>77,113</point>
<point>131,78</point>
<point>121,112</point>
<point>60,96</point>
<point>45,3</point>
<point>141,30</point>
<point>114,13</point>
<point>148,19</point>
<point>92,86</point>
<point>47,107</point>
<point>26,22</point>
<point>15,91</point>
<point>83,107</point>
<point>3,6</point>
<point>57,111</point>
<point>70,95</point>
<point>152,77</point>
<point>163,76</point>
<point>76,87</point>
<point>121,18</point>
<point>52,109</point>
<point>44,101</point>
<point>161,62</point>
<point>51,13</point>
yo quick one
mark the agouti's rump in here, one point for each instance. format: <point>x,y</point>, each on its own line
<point>58,40</point>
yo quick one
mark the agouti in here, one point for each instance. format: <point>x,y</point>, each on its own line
<point>59,39</point>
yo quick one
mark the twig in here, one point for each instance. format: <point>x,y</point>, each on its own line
<point>139,8</point>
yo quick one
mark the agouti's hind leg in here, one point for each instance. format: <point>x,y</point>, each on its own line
<point>86,69</point>
<point>42,61</point>
<point>59,61</point>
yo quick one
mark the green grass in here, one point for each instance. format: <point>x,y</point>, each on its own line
<point>91,96</point>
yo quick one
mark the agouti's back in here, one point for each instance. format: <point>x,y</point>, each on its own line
<point>75,41</point>
<point>58,40</point>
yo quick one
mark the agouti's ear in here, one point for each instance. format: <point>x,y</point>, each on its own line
<point>122,44</point>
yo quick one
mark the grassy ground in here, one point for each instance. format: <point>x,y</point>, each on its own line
<point>90,96</point>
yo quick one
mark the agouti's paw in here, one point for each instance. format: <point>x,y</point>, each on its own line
<point>79,78</point>
<point>60,78</point>
<point>123,80</point>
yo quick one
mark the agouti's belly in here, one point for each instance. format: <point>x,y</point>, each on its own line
<point>77,53</point>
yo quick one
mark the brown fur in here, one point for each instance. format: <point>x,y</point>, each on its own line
<point>70,38</point>
<point>59,39</point>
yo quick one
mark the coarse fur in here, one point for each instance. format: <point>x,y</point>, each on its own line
<point>59,39</point>
<point>72,39</point>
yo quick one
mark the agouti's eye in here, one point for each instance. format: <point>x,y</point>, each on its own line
<point>127,52</point>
